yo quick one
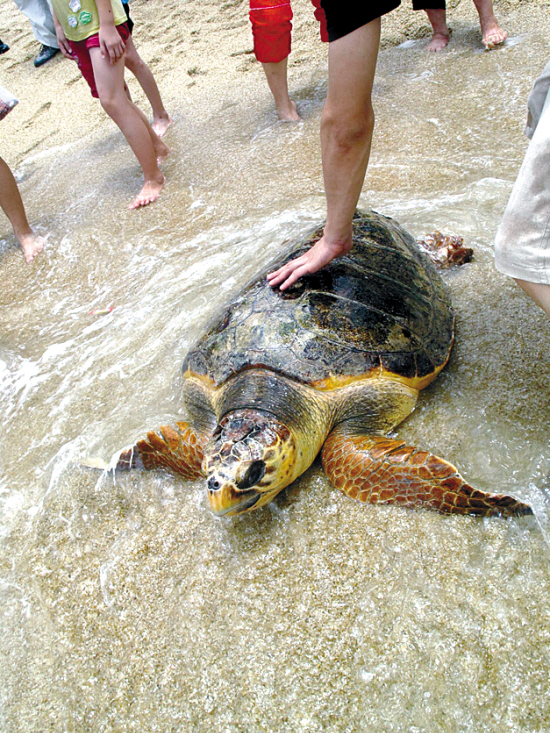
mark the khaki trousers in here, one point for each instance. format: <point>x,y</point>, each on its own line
<point>522,244</point>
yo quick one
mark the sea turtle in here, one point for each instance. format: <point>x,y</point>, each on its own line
<point>332,364</point>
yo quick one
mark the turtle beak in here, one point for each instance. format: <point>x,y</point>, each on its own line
<point>226,500</point>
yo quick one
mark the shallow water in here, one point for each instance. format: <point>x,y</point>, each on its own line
<point>127,605</point>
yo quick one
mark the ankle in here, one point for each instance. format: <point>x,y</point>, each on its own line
<point>23,233</point>
<point>156,179</point>
<point>441,30</point>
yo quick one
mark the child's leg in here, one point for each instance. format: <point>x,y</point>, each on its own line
<point>12,204</point>
<point>144,75</point>
<point>277,80</point>
<point>271,30</point>
<point>161,148</point>
<point>144,142</point>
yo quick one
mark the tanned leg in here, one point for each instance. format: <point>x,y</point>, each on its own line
<point>12,204</point>
<point>346,133</point>
<point>161,149</point>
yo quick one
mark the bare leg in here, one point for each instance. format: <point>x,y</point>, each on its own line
<point>539,292</point>
<point>161,149</point>
<point>492,34</point>
<point>12,204</point>
<point>141,137</point>
<point>441,32</point>
<point>276,75</point>
<point>134,62</point>
<point>346,133</point>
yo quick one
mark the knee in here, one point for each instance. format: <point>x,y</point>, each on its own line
<point>133,63</point>
<point>129,63</point>
<point>348,130</point>
<point>109,102</point>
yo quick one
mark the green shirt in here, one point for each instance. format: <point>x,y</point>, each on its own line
<point>80,18</point>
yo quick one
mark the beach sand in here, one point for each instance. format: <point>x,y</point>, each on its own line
<point>196,50</point>
<point>126,605</point>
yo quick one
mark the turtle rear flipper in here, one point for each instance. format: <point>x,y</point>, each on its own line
<point>178,449</point>
<point>384,471</point>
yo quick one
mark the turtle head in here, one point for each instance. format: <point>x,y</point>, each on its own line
<point>250,457</point>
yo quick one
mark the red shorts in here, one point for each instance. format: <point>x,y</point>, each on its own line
<point>272,26</point>
<point>81,49</point>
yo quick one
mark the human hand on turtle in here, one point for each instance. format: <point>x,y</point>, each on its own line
<point>323,251</point>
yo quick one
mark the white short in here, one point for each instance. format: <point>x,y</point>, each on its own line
<point>522,244</point>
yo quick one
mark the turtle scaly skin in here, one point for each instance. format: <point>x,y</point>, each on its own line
<point>335,363</point>
<point>178,449</point>
<point>385,471</point>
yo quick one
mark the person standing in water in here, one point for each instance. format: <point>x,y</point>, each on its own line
<point>94,33</point>
<point>271,29</point>
<point>12,204</point>
<point>346,128</point>
<point>522,244</point>
<point>144,75</point>
<point>10,198</point>
<point>491,33</point>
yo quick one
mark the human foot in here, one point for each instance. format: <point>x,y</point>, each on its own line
<point>161,124</point>
<point>288,112</point>
<point>492,33</point>
<point>149,193</point>
<point>31,244</point>
<point>439,41</point>
<point>161,151</point>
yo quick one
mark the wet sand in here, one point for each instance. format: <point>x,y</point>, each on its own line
<point>198,51</point>
<point>127,606</point>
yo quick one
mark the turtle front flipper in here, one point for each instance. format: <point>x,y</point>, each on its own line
<point>384,471</point>
<point>178,449</point>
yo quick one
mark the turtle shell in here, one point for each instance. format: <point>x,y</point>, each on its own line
<point>381,309</point>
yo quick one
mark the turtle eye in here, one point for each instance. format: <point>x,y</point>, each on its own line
<point>213,484</point>
<point>254,473</point>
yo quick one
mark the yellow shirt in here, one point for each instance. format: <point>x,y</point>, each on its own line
<point>80,18</point>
